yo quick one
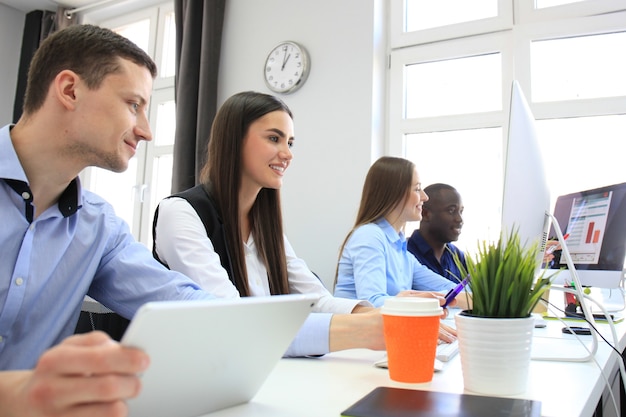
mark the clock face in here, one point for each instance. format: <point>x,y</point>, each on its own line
<point>286,67</point>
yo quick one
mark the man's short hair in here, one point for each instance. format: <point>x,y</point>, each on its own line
<point>90,51</point>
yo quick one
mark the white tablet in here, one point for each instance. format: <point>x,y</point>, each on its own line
<point>209,355</point>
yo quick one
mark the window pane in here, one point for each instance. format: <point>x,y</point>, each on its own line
<point>583,153</point>
<point>162,178</point>
<point>161,185</point>
<point>456,86</point>
<point>117,189</point>
<point>168,62</point>
<point>470,161</point>
<point>138,32</point>
<point>165,124</point>
<point>578,68</point>
<point>542,4</point>
<point>426,14</point>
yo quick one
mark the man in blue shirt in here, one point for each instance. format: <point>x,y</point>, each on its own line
<point>441,224</point>
<point>86,105</point>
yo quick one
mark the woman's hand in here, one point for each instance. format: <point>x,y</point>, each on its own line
<point>428,294</point>
<point>447,334</point>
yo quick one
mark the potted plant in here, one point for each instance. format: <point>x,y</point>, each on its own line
<point>495,335</point>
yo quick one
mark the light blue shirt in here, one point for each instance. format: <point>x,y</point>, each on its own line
<point>375,265</point>
<point>74,248</point>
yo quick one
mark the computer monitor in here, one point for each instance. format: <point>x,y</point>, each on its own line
<point>526,195</point>
<point>595,224</point>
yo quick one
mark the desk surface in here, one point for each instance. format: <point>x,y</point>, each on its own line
<point>326,386</point>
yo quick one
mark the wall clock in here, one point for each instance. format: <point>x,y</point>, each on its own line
<point>286,67</point>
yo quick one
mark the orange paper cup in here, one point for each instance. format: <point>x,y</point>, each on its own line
<point>411,327</point>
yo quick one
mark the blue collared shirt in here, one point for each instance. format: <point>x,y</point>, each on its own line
<point>47,265</point>
<point>375,264</point>
<point>425,255</point>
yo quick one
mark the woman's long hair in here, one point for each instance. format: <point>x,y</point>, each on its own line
<point>222,175</point>
<point>387,186</point>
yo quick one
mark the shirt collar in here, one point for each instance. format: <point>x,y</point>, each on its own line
<point>395,238</point>
<point>11,169</point>
<point>420,242</point>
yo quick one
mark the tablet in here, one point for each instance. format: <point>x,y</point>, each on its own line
<point>210,355</point>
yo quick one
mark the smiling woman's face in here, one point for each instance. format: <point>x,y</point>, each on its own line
<point>266,151</point>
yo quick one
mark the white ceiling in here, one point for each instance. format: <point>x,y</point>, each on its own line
<point>30,5</point>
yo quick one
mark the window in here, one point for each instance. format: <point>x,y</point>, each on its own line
<point>422,15</point>
<point>136,192</point>
<point>449,87</point>
<point>576,68</point>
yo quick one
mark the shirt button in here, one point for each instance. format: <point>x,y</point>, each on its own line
<point>25,195</point>
<point>19,281</point>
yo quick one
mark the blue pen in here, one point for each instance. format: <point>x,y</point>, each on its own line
<point>451,295</point>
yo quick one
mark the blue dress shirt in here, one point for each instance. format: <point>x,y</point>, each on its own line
<point>47,265</point>
<point>375,264</point>
<point>425,255</point>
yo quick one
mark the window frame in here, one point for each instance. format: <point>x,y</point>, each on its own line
<point>163,90</point>
<point>451,49</point>
<point>511,33</point>
<point>399,38</point>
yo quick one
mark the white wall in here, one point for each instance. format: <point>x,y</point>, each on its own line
<point>11,28</point>
<point>337,113</point>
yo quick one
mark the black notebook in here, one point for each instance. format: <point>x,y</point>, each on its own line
<point>399,402</point>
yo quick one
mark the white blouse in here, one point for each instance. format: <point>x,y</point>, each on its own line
<point>182,243</point>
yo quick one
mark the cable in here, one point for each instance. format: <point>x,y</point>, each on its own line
<point>606,313</point>
<point>591,351</point>
<point>581,297</point>
<point>621,362</point>
<point>574,273</point>
<point>587,314</point>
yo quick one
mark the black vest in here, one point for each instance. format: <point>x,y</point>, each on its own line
<point>207,210</point>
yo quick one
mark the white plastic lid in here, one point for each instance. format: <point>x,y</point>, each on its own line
<point>411,306</point>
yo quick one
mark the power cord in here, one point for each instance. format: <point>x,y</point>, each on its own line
<point>587,313</point>
<point>621,361</point>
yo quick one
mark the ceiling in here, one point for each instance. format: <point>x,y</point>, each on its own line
<point>30,5</point>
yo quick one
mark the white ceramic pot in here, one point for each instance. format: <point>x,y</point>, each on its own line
<point>495,353</point>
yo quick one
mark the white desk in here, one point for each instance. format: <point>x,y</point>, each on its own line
<point>326,386</point>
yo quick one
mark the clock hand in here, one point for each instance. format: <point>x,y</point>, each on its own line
<point>285,62</point>
<point>284,59</point>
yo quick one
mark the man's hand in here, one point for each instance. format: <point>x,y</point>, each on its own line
<point>86,375</point>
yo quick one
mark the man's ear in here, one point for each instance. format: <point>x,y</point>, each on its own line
<point>65,87</point>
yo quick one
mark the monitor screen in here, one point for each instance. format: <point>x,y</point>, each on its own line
<point>526,196</point>
<point>595,224</point>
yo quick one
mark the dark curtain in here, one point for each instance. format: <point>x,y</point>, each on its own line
<point>37,26</point>
<point>198,43</point>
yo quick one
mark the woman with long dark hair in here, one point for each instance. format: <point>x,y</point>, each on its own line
<point>227,232</point>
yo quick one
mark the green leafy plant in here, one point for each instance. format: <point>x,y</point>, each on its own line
<point>502,278</point>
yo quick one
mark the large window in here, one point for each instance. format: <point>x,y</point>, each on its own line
<point>450,82</point>
<point>136,192</point>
